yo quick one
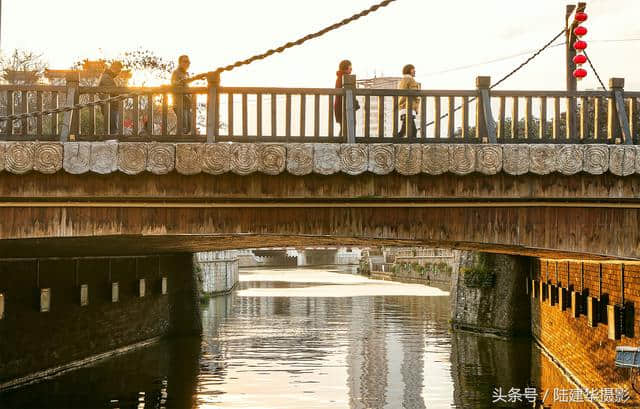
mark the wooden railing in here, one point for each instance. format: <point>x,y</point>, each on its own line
<point>247,114</point>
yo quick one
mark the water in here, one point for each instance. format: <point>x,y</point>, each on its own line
<point>303,339</point>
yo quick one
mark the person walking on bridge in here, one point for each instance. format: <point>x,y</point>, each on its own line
<point>344,68</point>
<point>108,79</point>
<point>408,117</point>
<point>180,78</point>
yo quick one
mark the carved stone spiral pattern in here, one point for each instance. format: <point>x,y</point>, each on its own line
<point>326,158</point>
<point>19,157</point>
<point>435,159</point>
<point>516,159</point>
<point>216,158</point>
<point>104,157</point>
<point>354,158</point>
<point>489,159</point>
<point>76,157</point>
<point>272,158</point>
<point>381,159</point>
<point>132,157</point>
<point>622,160</point>
<point>3,149</point>
<point>300,158</point>
<point>161,158</point>
<point>596,159</point>
<point>570,159</point>
<point>189,158</point>
<point>463,159</point>
<point>244,158</point>
<point>47,157</point>
<point>408,159</point>
<point>543,159</point>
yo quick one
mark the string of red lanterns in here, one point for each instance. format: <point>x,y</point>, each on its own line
<point>580,45</point>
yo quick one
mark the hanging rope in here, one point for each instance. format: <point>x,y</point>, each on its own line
<point>510,74</point>
<point>594,70</point>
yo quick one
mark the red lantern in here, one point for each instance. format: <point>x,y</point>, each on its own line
<point>581,16</point>
<point>580,31</point>
<point>580,59</point>
<point>580,45</point>
<point>580,73</point>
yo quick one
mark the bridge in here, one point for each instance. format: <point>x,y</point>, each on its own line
<point>546,178</point>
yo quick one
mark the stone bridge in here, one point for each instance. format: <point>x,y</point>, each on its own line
<point>110,198</point>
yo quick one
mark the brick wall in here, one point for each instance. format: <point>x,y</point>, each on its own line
<point>33,341</point>
<point>586,353</point>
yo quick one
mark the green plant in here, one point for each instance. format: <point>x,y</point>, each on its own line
<point>481,274</point>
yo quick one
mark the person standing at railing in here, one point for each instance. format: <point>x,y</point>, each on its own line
<point>180,77</point>
<point>408,82</point>
<point>108,79</point>
<point>345,68</point>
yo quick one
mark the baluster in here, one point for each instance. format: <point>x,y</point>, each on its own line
<point>165,114</point>
<point>274,112</point>
<point>542,127</point>
<point>395,116</point>
<point>423,116</point>
<point>303,115</point>
<point>367,115</point>
<point>39,108</point>
<point>135,100</point>
<point>287,124</point>
<point>527,118</point>
<point>179,110</point>
<point>107,118</point>
<point>149,126</point>
<point>450,118</point>
<point>634,119</point>
<point>54,117</point>
<point>598,114</point>
<point>465,118</point>
<point>194,114</point>
<point>230,114</point>
<point>92,115</point>
<point>10,111</point>
<point>245,119</point>
<point>24,108</point>
<point>584,112</point>
<point>330,119</point>
<point>501,122</point>
<point>436,119</point>
<point>120,118</point>
<point>316,115</point>
<point>556,119</point>
<point>571,118</point>
<point>515,119</point>
<point>380,116</point>
<point>259,115</point>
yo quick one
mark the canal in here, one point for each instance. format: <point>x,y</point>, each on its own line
<point>305,338</point>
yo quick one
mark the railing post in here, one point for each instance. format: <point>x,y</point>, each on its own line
<point>618,122</point>
<point>70,122</point>
<point>485,125</point>
<point>349,86</point>
<point>213,106</point>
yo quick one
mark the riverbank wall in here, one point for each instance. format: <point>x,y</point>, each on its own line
<point>60,313</point>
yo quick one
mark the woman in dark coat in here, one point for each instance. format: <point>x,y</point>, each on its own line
<point>344,68</point>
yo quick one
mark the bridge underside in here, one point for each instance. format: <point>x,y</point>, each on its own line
<point>581,215</point>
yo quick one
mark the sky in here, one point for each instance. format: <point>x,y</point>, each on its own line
<point>433,35</point>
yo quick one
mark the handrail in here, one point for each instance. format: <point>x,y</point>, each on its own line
<point>278,114</point>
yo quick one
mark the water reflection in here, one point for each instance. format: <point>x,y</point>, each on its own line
<point>267,349</point>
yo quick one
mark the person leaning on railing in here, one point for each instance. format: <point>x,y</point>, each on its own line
<point>108,79</point>
<point>180,77</point>
<point>408,121</point>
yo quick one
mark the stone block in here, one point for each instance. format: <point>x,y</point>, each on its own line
<point>381,158</point>
<point>300,158</point>
<point>354,158</point>
<point>77,157</point>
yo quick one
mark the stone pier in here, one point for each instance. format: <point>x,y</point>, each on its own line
<point>488,294</point>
